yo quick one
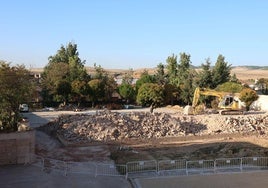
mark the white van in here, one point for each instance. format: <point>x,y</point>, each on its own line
<point>24,108</point>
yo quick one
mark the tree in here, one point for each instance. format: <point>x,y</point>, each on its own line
<point>150,94</point>
<point>172,69</point>
<point>171,93</point>
<point>63,88</point>
<point>230,87</point>
<point>160,74</point>
<point>97,89</point>
<point>127,92</point>
<point>107,83</point>
<point>205,75</point>
<point>145,78</point>
<point>64,66</point>
<point>16,88</point>
<point>263,85</point>
<point>220,72</point>
<point>80,89</point>
<point>185,78</point>
<point>248,96</point>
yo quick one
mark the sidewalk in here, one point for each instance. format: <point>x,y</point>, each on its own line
<point>25,176</point>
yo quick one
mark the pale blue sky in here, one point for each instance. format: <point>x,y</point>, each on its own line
<point>135,33</point>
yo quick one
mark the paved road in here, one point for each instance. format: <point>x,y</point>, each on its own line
<point>25,176</point>
<point>234,180</point>
<point>28,176</point>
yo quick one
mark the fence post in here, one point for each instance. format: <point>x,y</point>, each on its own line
<point>186,168</point>
<point>241,164</point>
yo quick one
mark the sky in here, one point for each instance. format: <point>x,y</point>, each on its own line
<point>133,34</point>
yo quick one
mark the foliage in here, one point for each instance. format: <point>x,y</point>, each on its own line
<point>150,94</point>
<point>233,78</point>
<point>16,88</point>
<point>127,92</point>
<point>80,90</point>
<point>160,74</point>
<point>145,78</point>
<point>220,72</point>
<point>97,89</point>
<point>186,79</point>
<point>263,85</point>
<point>204,78</point>
<point>248,96</point>
<point>172,69</point>
<point>230,87</point>
<point>171,94</point>
<point>64,67</point>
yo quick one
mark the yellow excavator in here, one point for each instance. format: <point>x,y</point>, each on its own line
<point>229,103</point>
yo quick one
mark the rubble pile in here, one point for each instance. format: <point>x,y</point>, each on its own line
<point>247,124</point>
<point>106,125</point>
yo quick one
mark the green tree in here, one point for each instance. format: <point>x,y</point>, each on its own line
<point>171,94</point>
<point>234,78</point>
<point>63,89</point>
<point>145,78</point>
<point>220,72</point>
<point>172,69</point>
<point>150,94</point>
<point>230,87</point>
<point>16,88</point>
<point>97,89</point>
<point>205,75</point>
<point>80,89</point>
<point>248,96</point>
<point>107,83</point>
<point>64,66</point>
<point>160,74</point>
<point>186,78</point>
<point>127,92</point>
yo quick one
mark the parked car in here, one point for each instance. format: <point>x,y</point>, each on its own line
<point>24,108</point>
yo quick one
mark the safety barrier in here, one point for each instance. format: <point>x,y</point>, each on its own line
<point>254,163</point>
<point>228,164</point>
<point>111,170</point>
<point>171,166</point>
<point>142,166</point>
<point>200,166</point>
<point>162,167</point>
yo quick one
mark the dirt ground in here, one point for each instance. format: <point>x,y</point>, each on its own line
<point>189,147</point>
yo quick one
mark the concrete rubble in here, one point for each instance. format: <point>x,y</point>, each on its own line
<point>114,126</point>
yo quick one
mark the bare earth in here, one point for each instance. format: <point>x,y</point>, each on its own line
<point>197,148</point>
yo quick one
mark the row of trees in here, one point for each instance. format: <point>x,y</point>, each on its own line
<point>65,79</point>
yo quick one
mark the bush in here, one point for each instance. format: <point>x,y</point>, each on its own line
<point>248,96</point>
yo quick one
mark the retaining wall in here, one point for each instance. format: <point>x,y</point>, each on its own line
<point>17,147</point>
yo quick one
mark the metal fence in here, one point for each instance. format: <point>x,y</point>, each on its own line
<point>111,170</point>
<point>200,166</point>
<point>142,166</point>
<point>161,167</point>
